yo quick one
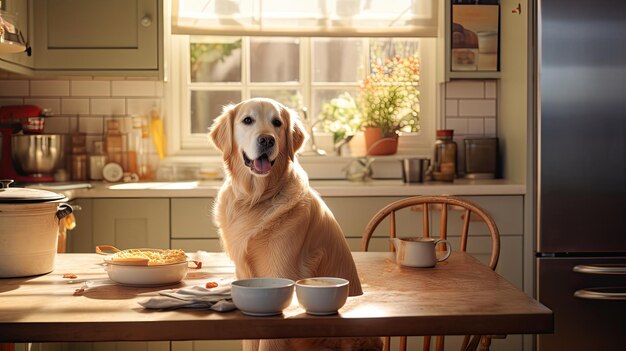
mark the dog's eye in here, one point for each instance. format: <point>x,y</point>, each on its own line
<point>247,120</point>
<point>277,123</point>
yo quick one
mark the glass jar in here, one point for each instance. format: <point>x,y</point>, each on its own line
<point>444,166</point>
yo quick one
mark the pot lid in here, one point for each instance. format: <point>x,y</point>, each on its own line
<point>25,195</point>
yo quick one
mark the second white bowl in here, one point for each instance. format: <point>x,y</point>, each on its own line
<point>322,295</point>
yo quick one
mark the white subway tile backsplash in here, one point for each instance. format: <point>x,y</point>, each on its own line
<point>142,106</point>
<point>465,89</point>
<point>471,107</point>
<point>452,107</point>
<point>133,88</point>
<point>54,105</point>
<point>459,125</point>
<point>14,88</point>
<point>11,101</point>
<point>476,126</point>
<point>115,107</point>
<point>49,88</point>
<point>56,125</point>
<point>89,125</point>
<point>490,89</point>
<point>75,106</point>
<point>478,108</point>
<point>90,88</point>
<point>490,127</point>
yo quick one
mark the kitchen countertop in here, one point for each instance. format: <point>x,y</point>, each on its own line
<point>326,188</point>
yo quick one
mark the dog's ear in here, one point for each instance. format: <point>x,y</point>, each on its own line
<point>221,131</point>
<point>296,136</point>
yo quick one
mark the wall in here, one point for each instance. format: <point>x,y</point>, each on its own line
<point>470,109</point>
<point>84,103</point>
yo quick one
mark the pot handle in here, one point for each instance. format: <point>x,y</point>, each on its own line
<point>100,249</point>
<point>4,183</point>
<point>63,211</point>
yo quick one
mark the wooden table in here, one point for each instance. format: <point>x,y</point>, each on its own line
<point>460,296</point>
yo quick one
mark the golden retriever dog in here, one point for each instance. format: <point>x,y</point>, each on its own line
<point>272,224</point>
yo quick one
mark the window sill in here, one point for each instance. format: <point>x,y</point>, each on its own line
<point>177,168</point>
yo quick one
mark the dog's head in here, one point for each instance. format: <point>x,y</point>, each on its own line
<point>256,134</point>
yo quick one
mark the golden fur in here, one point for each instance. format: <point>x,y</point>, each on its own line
<point>273,224</point>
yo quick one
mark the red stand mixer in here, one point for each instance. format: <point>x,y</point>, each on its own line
<point>37,147</point>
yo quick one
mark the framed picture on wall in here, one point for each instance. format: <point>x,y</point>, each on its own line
<point>475,38</point>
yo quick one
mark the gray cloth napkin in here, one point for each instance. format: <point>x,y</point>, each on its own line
<point>216,299</point>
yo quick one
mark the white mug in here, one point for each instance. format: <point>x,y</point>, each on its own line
<point>419,252</point>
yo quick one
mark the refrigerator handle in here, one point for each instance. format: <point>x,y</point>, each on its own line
<point>600,269</point>
<point>617,293</point>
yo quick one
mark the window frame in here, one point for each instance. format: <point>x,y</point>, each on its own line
<point>184,143</point>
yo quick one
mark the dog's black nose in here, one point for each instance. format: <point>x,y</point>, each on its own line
<point>266,140</point>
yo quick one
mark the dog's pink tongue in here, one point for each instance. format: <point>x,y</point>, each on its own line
<point>262,164</point>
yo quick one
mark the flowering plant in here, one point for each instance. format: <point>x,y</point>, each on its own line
<point>341,117</point>
<point>389,98</point>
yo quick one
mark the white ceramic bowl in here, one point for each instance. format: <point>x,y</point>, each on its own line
<point>322,295</point>
<point>262,296</point>
<point>153,275</point>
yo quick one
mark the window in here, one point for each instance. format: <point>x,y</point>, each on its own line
<point>209,72</point>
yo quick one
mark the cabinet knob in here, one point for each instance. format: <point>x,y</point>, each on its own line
<point>146,21</point>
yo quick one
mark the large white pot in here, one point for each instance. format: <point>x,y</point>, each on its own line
<point>29,228</point>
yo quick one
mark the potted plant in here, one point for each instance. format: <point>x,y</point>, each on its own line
<point>389,103</point>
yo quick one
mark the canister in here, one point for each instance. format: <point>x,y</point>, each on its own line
<point>480,157</point>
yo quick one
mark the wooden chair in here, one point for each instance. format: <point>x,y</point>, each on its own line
<point>444,204</point>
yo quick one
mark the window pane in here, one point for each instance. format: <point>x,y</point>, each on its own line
<point>274,59</point>
<point>290,98</point>
<point>321,97</point>
<point>206,105</point>
<point>215,59</point>
<point>337,59</point>
<point>382,49</point>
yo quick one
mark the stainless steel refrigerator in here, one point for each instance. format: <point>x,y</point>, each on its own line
<point>581,172</point>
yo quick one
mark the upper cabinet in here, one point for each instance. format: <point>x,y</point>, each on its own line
<point>94,37</point>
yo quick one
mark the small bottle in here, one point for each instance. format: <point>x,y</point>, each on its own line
<point>445,156</point>
<point>79,157</point>
<point>114,142</point>
<point>146,169</point>
<point>97,160</point>
<point>134,146</point>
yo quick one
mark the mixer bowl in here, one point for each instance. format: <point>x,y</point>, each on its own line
<point>37,154</point>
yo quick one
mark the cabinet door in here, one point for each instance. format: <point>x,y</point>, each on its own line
<point>80,239</point>
<point>98,35</point>
<point>131,223</point>
<point>193,219</point>
<point>192,225</point>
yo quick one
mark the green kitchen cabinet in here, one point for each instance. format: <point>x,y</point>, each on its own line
<point>192,225</point>
<point>90,38</point>
<point>131,223</point>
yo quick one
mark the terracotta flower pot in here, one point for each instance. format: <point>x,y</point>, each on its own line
<point>376,145</point>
